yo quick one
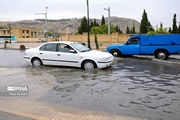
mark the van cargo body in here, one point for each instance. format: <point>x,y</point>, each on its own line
<point>159,45</point>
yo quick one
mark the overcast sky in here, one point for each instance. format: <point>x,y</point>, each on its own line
<point>157,10</point>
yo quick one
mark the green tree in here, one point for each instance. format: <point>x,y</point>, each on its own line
<point>120,31</point>
<point>95,23</point>
<point>179,29</point>
<point>48,34</point>
<point>117,28</point>
<point>170,31</point>
<point>133,29</point>
<point>145,25</point>
<point>127,30</point>
<point>102,21</point>
<point>101,29</point>
<point>160,30</point>
<point>56,35</point>
<point>91,24</point>
<point>96,30</point>
<point>161,27</point>
<point>96,42</point>
<point>174,26</point>
<point>112,29</point>
<point>83,26</point>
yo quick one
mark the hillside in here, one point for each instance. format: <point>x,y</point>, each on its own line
<point>68,25</point>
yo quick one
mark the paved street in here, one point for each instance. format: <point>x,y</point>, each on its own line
<point>17,45</point>
<point>134,88</point>
<point>8,116</point>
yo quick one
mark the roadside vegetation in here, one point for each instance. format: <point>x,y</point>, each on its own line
<point>145,27</point>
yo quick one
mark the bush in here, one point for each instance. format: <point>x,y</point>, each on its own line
<point>96,42</point>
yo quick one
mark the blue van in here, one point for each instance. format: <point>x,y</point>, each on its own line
<point>161,46</point>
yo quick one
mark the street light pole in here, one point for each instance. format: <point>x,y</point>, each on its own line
<point>89,46</point>
<point>46,25</point>
<point>10,32</point>
<point>108,19</point>
<point>45,22</point>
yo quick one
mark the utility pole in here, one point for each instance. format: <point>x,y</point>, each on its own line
<point>45,22</point>
<point>89,46</point>
<point>10,32</point>
<point>108,19</point>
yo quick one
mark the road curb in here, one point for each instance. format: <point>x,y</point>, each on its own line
<point>23,114</point>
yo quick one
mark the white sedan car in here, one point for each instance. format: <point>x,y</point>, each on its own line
<point>72,54</point>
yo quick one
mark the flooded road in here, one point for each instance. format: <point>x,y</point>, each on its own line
<point>139,87</point>
<point>12,58</point>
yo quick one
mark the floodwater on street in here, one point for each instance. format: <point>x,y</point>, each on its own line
<point>12,58</point>
<point>141,87</point>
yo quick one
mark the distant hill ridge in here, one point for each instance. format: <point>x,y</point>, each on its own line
<point>69,25</point>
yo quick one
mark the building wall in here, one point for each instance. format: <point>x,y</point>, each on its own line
<point>29,35</point>
<point>16,32</point>
<point>102,38</point>
<point>27,40</point>
<point>22,33</point>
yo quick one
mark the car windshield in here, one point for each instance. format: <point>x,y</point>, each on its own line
<point>80,47</point>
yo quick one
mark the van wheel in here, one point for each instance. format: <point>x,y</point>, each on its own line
<point>87,65</point>
<point>161,54</point>
<point>116,53</point>
<point>36,62</point>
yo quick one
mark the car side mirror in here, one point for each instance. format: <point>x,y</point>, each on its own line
<point>83,43</point>
<point>72,51</point>
<point>128,42</point>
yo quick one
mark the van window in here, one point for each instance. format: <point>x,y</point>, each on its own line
<point>133,41</point>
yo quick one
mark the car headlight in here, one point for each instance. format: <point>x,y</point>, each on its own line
<point>105,59</point>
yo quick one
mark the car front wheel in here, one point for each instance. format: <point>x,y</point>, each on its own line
<point>36,62</point>
<point>87,65</point>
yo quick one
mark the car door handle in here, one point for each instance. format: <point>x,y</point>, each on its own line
<point>41,53</point>
<point>58,54</point>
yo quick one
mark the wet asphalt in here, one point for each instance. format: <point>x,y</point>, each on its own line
<point>141,87</point>
<point>8,116</point>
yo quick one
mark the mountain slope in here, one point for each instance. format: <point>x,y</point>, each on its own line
<point>69,25</point>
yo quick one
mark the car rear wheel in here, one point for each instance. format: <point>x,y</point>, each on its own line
<point>116,53</point>
<point>87,65</point>
<point>161,54</point>
<point>36,62</point>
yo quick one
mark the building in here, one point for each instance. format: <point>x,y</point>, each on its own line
<point>22,33</point>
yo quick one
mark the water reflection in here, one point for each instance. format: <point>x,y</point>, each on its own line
<point>12,58</point>
<point>135,87</point>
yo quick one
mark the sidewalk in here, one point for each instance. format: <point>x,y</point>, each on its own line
<point>44,111</point>
<point>17,45</point>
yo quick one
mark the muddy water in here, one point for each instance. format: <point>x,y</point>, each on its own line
<point>140,88</point>
<point>12,58</point>
<point>137,87</point>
